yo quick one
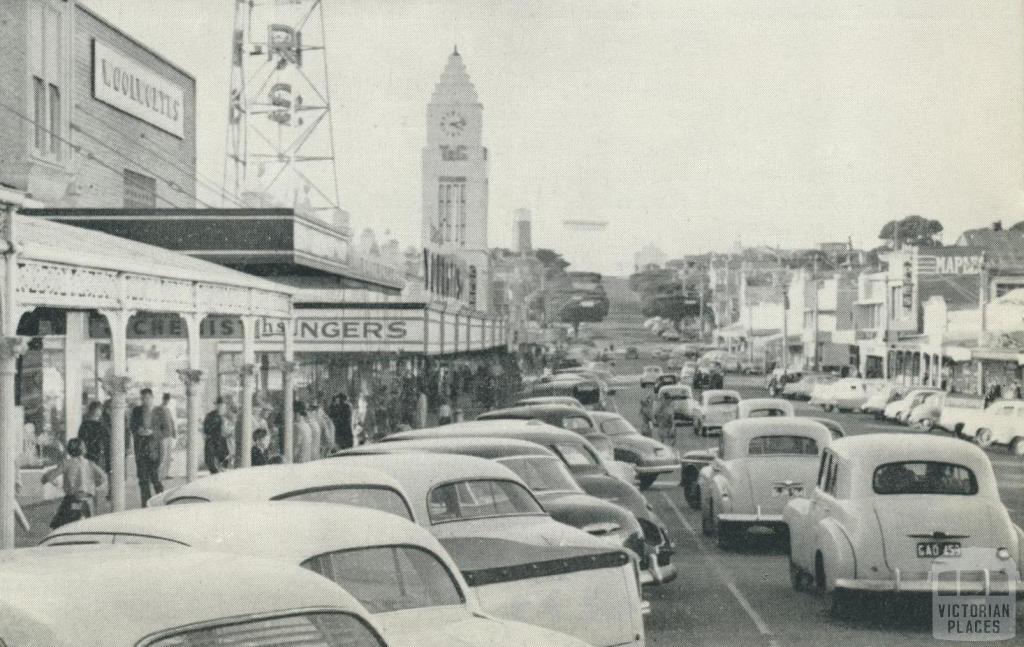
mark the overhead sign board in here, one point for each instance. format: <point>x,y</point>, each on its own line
<point>136,89</point>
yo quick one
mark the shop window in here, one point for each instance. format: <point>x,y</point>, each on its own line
<point>139,190</point>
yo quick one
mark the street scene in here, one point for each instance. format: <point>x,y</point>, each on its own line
<point>349,323</point>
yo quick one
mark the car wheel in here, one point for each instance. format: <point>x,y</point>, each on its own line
<point>958,431</point>
<point>647,480</point>
<point>984,438</point>
<point>841,604</point>
<point>691,491</point>
<point>797,577</point>
<point>1017,447</point>
<point>697,428</point>
<point>927,424</point>
<point>707,524</point>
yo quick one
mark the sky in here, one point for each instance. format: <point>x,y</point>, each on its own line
<point>691,125</point>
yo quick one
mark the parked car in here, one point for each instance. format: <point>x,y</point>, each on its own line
<point>649,376</point>
<point>584,389</point>
<point>883,395</point>
<point>803,388</point>
<point>675,407</point>
<point>522,564</point>
<point>394,568</point>
<point>632,352</point>
<point>665,379</point>
<point>887,507</point>
<point>925,416</point>
<point>717,407</point>
<point>760,465</point>
<point>566,400</point>
<point>961,411</point>
<point>833,426</point>
<point>587,467</point>
<point>751,367</point>
<point>316,481</point>
<point>764,408</point>
<point>649,457</point>
<point>846,394</point>
<point>1002,423</point>
<point>127,596</point>
<point>546,476</point>
<point>691,463</point>
<point>899,410</point>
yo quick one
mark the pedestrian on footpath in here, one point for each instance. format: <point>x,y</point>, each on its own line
<point>303,448</point>
<point>215,443</point>
<point>260,454</point>
<point>148,448</point>
<point>341,416</point>
<point>80,477</point>
<point>168,433</point>
<point>96,436</point>
<point>324,427</point>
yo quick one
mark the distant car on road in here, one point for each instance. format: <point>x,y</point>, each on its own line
<point>960,411</point>
<point>888,507</point>
<point>1002,423</point>
<point>649,457</point>
<point>880,399</point>
<point>761,464</point>
<point>717,407</point>
<point>566,400</point>
<point>632,353</point>
<point>899,410</point>
<point>650,376</point>
<point>846,394</point>
<point>765,408</point>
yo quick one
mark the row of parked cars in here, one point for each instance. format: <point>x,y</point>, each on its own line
<point>523,527</point>
<point>873,513</point>
<point>921,408</point>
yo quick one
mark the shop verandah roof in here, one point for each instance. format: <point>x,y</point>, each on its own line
<point>65,266</point>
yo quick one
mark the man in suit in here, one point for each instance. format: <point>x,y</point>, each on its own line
<point>148,450</point>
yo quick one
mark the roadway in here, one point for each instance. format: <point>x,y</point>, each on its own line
<point>743,596</point>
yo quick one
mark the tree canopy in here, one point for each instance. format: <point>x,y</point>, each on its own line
<point>913,230</point>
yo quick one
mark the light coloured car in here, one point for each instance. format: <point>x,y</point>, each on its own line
<point>881,395</point>
<point>765,408</point>
<point>316,481</point>
<point>588,468</point>
<point>887,508</point>
<point>650,375</point>
<point>803,388</point>
<point>1001,424</point>
<point>846,394</point>
<point>567,400</point>
<point>960,411</point>
<point>926,415</point>
<point>899,410</point>
<point>717,407</point>
<point>143,596</point>
<point>393,567</point>
<point>522,564</point>
<point>760,465</point>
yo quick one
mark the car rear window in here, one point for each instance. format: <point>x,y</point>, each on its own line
<point>374,498</point>
<point>390,578</point>
<point>480,499</point>
<point>774,445</point>
<point>575,455</point>
<point>766,413</point>
<point>576,423</point>
<point>924,477</point>
<point>542,473</point>
<point>314,629</point>
<point>723,399</point>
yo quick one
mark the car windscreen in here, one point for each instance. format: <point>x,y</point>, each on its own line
<point>303,629</point>
<point>778,445</point>
<point>542,473</point>
<point>618,427</point>
<point>722,399</point>
<point>587,393</point>
<point>390,578</point>
<point>576,423</point>
<point>375,498</point>
<point>577,457</point>
<point>676,395</point>
<point>478,499</point>
<point>924,477</point>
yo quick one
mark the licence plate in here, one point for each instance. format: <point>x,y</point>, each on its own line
<point>938,549</point>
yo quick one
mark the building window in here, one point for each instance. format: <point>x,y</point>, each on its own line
<point>48,71</point>
<point>39,97</point>
<point>139,190</point>
<point>451,211</point>
<point>54,104</point>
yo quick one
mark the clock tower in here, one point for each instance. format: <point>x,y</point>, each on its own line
<point>455,180</point>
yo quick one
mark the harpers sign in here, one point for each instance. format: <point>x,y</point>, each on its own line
<point>131,87</point>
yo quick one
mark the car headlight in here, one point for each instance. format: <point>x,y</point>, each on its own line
<point>1003,553</point>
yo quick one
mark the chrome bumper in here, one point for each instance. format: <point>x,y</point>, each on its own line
<point>901,584</point>
<point>655,574</point>
<point>656,469</point>
<point>756,518</point>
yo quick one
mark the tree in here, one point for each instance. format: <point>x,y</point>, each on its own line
<point>914,231</point>
<point>552,261</point>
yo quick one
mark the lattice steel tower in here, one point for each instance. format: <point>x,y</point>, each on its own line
<point>280,138</point>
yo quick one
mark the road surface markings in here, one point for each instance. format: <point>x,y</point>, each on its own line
<point>755,617</point>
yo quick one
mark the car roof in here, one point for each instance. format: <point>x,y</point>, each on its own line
<point>567,400</point>
<point>765,403</point>
<point>777,426</point>
<point>93,596</point>
<point>676,389</point>
<point>710,392</point>
<point>482,447</point>
<point>531,410</point>
<point>289,530</point>
<point>531,430</point>
<point>418,476</point>
<point>877,449</point>
<point>267,481</point>
<point>602,416</point>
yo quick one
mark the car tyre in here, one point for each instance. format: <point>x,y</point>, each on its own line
<point>1017,447</point>
<point>984,438</point>
<point>797,577</point>
<point>691,491</point>
<point>647,480</point>
<point>726,536</point>
<point>707,524</point>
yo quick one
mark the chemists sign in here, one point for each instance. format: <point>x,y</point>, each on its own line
<point>131,87</point>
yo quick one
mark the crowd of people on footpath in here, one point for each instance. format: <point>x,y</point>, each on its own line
<point>389,402</point>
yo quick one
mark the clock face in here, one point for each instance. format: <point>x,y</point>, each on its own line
<point>453,123</point>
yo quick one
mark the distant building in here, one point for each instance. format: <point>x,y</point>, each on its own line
<point>649,256</point>
<point>524,235</point>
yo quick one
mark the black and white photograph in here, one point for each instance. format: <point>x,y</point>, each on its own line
<point>487,323</point>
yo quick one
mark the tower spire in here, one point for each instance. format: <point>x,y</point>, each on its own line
<point>456,51</point>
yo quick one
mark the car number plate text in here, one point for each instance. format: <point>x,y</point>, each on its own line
<point>938,549</point>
